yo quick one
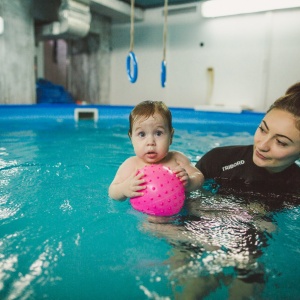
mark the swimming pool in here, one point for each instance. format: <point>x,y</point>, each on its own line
<point>63,238</point>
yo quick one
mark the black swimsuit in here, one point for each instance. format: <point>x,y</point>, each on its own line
<point>232,168</point>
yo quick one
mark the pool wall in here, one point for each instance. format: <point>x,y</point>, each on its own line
<point>121,113</point>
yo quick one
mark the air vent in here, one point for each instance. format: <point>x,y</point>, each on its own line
<point>86,114</point>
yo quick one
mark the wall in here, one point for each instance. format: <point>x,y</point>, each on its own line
<point>89,71</point>
<point>55,60</point>
<point>254,59</point>
<point>85,73</point>
<point>17,76</point>
<point>82,66</point>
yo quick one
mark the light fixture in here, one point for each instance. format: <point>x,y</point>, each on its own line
<point>220,8</point>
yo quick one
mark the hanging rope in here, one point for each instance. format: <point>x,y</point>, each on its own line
<point>164,63</point>
<point>131,62</point>
<point>132,26</point>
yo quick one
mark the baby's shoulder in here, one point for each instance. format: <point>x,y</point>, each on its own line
<point>127,167</point>
<point>130,161</point>
<point>178,156</point>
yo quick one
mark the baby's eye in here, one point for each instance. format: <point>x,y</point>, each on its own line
<point>159,133</point>
<point>141,134</point>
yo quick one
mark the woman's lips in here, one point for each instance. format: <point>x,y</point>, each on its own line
<point>260,155</point>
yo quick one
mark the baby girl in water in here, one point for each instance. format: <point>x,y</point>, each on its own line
<point>151,133</point>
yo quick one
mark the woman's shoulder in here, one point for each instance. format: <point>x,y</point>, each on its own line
<point>235,148</point>
<point>214,161</point>
<point>294,171</point>
<point>230,151</point>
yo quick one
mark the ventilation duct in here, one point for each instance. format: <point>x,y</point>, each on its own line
<point>74,21</point>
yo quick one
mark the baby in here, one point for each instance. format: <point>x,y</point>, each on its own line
<point>151,134</point>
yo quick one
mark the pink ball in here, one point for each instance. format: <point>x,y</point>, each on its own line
<point>164,194</point>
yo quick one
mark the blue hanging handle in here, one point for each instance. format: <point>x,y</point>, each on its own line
<point>163,75</point>
<point>131,61</point>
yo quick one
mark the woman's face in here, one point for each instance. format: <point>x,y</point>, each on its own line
<point>276,141</point>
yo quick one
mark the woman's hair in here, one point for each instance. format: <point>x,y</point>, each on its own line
<point>290,102</point>
<point>147,109</point>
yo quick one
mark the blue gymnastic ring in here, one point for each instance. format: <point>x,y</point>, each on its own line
<point>131,60</point>
<point>163,75</point>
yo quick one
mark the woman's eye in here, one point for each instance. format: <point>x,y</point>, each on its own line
<point>281,143</point>
<point>261,129</point>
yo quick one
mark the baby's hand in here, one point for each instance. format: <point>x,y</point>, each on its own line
<point>182,174</point>
<point>134,184</point>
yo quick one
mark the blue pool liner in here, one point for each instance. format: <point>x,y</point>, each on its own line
<point>120,114</point>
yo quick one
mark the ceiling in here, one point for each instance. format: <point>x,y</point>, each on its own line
<point>144,4</point>
<point>45,11</point>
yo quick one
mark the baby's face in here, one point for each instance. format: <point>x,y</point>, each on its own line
<point>151,138</point>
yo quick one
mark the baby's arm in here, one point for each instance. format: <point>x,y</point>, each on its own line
<point>127,183</point>
<point>189,175</point>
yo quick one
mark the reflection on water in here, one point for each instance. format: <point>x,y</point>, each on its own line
<point>218,241</point>
<point>61,237</point>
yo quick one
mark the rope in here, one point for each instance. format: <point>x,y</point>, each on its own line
<point>165,29</point>
<point>131,61</point>
<point>132,26</point>
<point>163,75</point>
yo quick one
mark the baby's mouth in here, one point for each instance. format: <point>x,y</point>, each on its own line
<point>151,154</point>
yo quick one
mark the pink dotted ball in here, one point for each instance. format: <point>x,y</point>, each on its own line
<point>164,194</point>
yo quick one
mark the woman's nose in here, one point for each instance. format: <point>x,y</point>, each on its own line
<point>264,144</point>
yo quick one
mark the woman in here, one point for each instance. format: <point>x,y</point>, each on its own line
<point>269,165</point>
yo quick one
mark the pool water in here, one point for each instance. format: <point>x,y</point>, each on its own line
<point>62,237</point>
